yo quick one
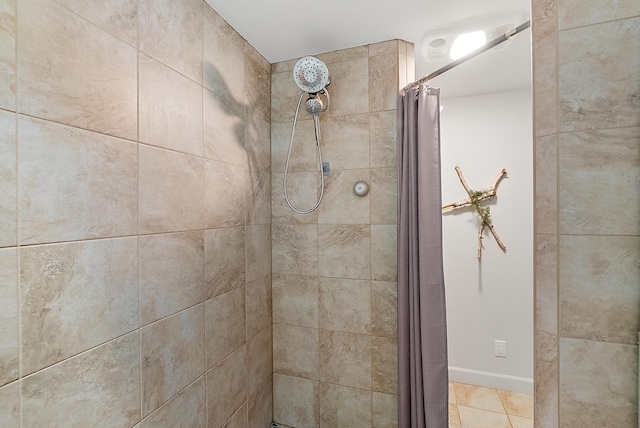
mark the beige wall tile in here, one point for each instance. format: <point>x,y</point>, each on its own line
<point>285,95</point>
<point>384,365</point>
<point>239,418</point>
<point>119,17</point>
<point>284,66</point>
<point>573,13</point>
<point>185,410</point>
<point>258,305</point>
<point>382,143</point>
<point>223,58</point>
<point>543,18</point>
<point>303,152</point>
<point>93,196</point>
<point>546,272</point>
<point>258,256</point>
<point>582,175</point>
<point>171,274</point>
<point>259,361</point>
<point>341,55</point>
<point>340,204</point>
<point>224,255</point>
<point>257,140</point>
<point>99,388</point>
<point>172,32</point>
<point>546,173</point>
<point>384,308</point>
<point>171,191</point>
<point>545,96</point>
<point>402,70</point>
<point>224,128</point>
<point>8,177</point>
<point>76,296</point>
<point>226,387</point>
<point>546,380</point>
<point>344,251</point>
<point>8,55</point>
<point>345,305</point>
<point>260,406</point>
<point>296,351</point>
<point>295,401</point>
<point>225,194</point>
<point>257,85</point>
<point>259,197</point>
<point>173,356</point>
<point>347,79</point>
<point>301,194</point>
<point>75,73</point>
<point>341,406</point>
<point>295,300</point>
<point>598,277</point>
<point>345,141</point>
<point>295,249</point>
<point>386,47</point>
<point>605,97</point>
<point>345,359</point>
<point>10,405</point>
<point>384,259</point>
<point>8,316</point>
<point>383,82</point>
<point>384,196</point>
<point>384,412</point>
<point>225,325</point>
<point>170,108</point>
<point>614,368</point>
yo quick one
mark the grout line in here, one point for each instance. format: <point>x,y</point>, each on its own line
<point>17,216</point>
<point>558,267</point>
<point>137,47</point>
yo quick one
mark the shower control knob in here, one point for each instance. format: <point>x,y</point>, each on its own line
<point>361,188</point>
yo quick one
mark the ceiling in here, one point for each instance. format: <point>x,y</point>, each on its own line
<point>286,29</point>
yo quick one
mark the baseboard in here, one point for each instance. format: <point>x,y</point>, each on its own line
<point>491,380</point>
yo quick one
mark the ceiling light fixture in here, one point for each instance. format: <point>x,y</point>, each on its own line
<point>466,43</point>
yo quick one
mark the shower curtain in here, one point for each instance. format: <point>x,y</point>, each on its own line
<point>423,381</point>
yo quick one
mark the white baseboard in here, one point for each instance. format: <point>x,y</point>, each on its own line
<point>491,380</point>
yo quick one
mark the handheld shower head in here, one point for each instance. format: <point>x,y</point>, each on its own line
<point>314,106</point>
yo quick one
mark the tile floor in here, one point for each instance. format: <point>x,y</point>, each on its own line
<point>473,406</point>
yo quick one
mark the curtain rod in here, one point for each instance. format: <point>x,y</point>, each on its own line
<point>495,42</point>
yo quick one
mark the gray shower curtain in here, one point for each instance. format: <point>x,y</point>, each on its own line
<point>423,380</point>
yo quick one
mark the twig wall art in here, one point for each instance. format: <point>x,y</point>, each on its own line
<point>475,197</point>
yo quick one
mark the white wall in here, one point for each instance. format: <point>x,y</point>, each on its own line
<point>491,299</point>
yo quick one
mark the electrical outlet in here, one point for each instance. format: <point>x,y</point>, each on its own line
<point>501,348</point>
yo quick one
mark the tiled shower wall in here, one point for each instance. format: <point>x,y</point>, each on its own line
<point>135,285</point>
<point>334,271</point>
<point>587,141</point>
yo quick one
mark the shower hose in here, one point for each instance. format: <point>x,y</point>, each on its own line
<point>316,123</point>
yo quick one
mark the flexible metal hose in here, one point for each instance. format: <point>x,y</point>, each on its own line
<point>316,123</point>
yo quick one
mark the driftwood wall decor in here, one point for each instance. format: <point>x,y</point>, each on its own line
<point>475,197</point>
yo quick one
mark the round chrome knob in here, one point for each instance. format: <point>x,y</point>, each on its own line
<point>361,188</point>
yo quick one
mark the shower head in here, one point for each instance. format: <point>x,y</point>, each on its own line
<point>311,74</point>
<point>314,106</point>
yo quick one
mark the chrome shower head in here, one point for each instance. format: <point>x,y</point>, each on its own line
<point>314,106</point>
<point>311,74</point>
